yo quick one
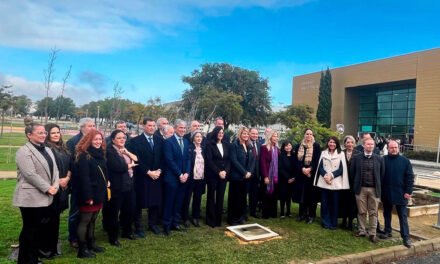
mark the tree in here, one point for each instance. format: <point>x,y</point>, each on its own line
<point>323,114</point>
<point>228,80</point>
<point>61,101</point>
<point>48,78</point>
<point>22,104</point>
<point>293,114</point>
<point>5,103</point>
<point>298,118</point>
<point>67,109</point>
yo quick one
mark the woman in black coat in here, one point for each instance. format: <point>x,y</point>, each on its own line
<point>242,166</point>
<point>347,201</point>
<point>91,187</point>
<point>307,157</point>
<point>286,174</point>
<point>218,170</point>
<point>54,140</point>
<point>120,163</point>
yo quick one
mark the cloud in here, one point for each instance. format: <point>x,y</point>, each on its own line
<point>106,25</point>
<point>96,81</point>
<point>35,90</point>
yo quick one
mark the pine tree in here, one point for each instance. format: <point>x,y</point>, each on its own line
<point>323,113</point>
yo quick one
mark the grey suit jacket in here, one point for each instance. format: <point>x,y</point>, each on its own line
<point>33,176</point>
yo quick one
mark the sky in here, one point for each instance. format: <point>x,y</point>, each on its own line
<point>147,46</point>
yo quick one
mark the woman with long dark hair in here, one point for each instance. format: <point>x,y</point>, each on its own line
<point>307,157</point>
<point>91,186</point>
<point>197,176</point>
<point>54,140</point>
<point>286,171</point>
<point>269,173</point>
<point>120,163</point>
<point>331,177</point>
<point>218,171</point>
<point>242,166</point>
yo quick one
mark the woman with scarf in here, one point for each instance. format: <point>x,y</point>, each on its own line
<point>331,177</point>
<point>91,186</point>
<point>120,163</point>
<point>269,174</point>
<point>37,184</point>
<point>304,193</point>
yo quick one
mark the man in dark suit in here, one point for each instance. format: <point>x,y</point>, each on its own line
<point>177,160</point>
<point>253,186</point>
<point>160,123</point>
<point>364,137</point>
<point>86,124</point>
<point>367,170</point>
<point>397,188</point>
<point>148,177</point>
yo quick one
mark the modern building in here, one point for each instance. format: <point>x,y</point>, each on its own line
<point>397,97</point>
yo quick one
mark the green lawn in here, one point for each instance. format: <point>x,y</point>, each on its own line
<point>12,139</point>
<point>300,242</point>
<point>7,159</point>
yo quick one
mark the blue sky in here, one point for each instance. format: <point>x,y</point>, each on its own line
<point>147,46</point>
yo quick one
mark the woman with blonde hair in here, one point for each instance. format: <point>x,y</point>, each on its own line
<point>242,166</point>
<point>307,157</point>
<point>269,174</point>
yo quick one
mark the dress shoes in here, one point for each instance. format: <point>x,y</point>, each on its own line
<point>373,239</point>
<point>155,230</point>
<point>166,232</point>
<point>195,222</point>
<point>178,228</point>
<point>360,234</point>
<point>385,235</point>
<point>140,234</point>
<point>115,243</point>
<point>129,236</point>
<point>300,218</point>
<point>310,220</point>
<point>186,224</point>
<point>407,243</point>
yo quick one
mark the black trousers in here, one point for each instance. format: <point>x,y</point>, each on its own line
<point>154,217</point>
<point>120,204</point>
<point>270,205</point>
<point>214,201</point>
<point>50,227</point>
<point>403,218</point>
<point>236,202</point>
<point>31,233</point>
<point>253,192</point>
<point>195,190</point>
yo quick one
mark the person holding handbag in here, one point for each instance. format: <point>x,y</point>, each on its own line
<point>91,184</point>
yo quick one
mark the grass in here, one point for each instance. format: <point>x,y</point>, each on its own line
<point>300,242</point>
<point>13,139</point>
<point>7,159</point>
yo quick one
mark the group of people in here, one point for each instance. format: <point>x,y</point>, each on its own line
<point>166,171</point>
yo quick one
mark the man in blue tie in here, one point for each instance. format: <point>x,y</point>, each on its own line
<point>177,168</point>
<point>147,177</point>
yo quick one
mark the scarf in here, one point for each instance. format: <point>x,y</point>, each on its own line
<point>199,164</point>
<point>273,170</point>
<point>127,160</point>
<point>305,151</point>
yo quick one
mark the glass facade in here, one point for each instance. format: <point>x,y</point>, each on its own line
<point>388,109</point>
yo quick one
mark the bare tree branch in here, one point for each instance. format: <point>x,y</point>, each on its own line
<point>49,77</point>
<point>66,77</point>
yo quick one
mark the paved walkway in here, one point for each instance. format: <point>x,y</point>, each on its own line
<point>422,163</point>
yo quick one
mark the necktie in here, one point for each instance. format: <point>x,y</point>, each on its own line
<point>254,149</point>
<point>150,141</point>
<point>181,144</point>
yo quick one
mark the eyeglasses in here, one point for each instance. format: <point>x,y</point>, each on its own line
<point>41,133</point>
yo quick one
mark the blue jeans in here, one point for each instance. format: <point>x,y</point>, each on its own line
<point>329,208</point>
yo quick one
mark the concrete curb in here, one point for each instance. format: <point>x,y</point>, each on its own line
<point>386,255</point>
<point>425,164</point>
